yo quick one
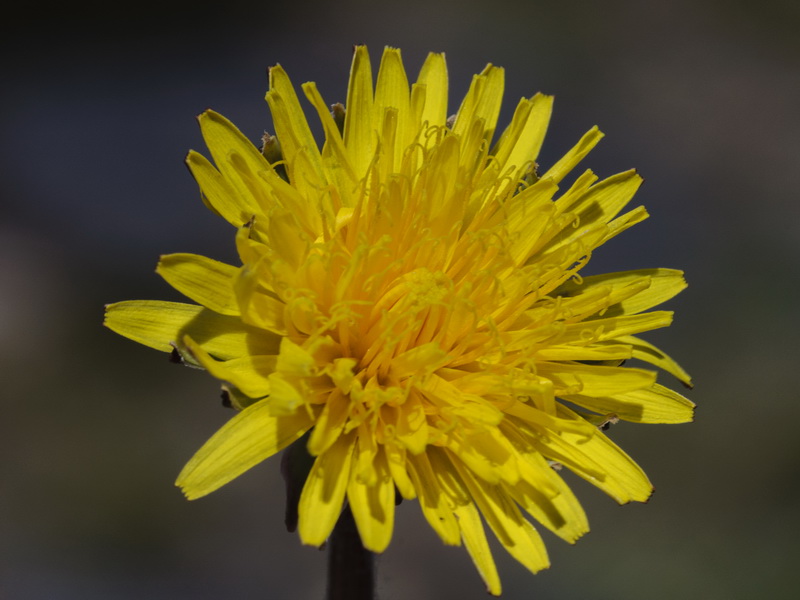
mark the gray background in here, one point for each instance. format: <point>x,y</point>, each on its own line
<point>97,115</point>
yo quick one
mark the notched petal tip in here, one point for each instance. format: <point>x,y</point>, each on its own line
<point>647,500</point>
<point>693,414</point>
<point>181,484</point>
<point>204,113</point>
<point>640,500</point>
<point>274,72</point>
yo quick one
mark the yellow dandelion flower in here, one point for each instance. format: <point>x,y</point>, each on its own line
<point>410,294</point>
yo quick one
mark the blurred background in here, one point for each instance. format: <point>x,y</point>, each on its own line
<point>98,109</point>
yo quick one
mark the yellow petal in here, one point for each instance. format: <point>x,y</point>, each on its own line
<point>295,360</point>
<point>396,459</point>
<point>520,143</point>
<point>514,532</point>
<point>556,263</point>
<point>568,162</point>
<point>432,500</point>
<point>566,352</point>
<point>647,352</point>
<point>324,490</point>
<point>433,76</point>
<point>474,538</point>
<point>286,238</point>
<point>532,414</point>
<point>595,301</point>
<point>482,102</point>
<point>359,130</point>
<point>250,374</point>
<point>664,284</point>
<point>453,401</point>
<point>330,423</point>
<point>624,222</point>
<point>391,91</point>
<point>416,359</point>
<point>293,132</point>
<point>598,460</point>
<point>597,206</point>
<point>599,330</point>
<point>561,513</point>
<point>487,454</point>
<point>159,325</point>
<point>410,424</point>
<point>338,167</point>
<point>529,214</point>
<point>655,404</point>
<point>257,307</point>
<point>284,398</point>
<point>248,438</point>
<point>218,193</point>
<point>591,380</point>
<point>237,159</point>
<point>204,280</point>
<point>373,506</point>
<point>365,455</point>
<point>447,477</point>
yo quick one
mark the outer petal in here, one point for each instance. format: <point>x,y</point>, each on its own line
<point>218,193</point>
<point>520,143</point>
<point>599,330</point>
<point>260,309</point>
<point>323,493</point>
<point>655,404</point>
<point>159,325</point>
<point>598,460</point>
<point>649,353</point>
<point>562,513</point>
<point>568,162</point>
<point>204,280</point>
<point>250,437</point>
<point>396,459</point>
<point>338,161</point>
<point>330,423</point>
<point>249,374</point>
<point>292,129</point>
<point>373,506</point>
<point>474,538</point>
<point>433,76</point>
<point>482,102</point>
<point>391,91</point>
<point>528,217</point>
<point>615,352</point>
<point>513,531</point>
<point>597,206</point>
<point>359,130</point>
<point>238,160</point>
<point>294,116</point>
<point>432,500</point>
<point>664,284</point>
<point>593,380</point>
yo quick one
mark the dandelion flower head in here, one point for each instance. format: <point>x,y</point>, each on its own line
<point>411,295</point>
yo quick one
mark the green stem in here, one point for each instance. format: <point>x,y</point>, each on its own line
<point>351,568</point>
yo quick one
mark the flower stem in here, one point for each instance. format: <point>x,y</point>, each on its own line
<point>351,567</point>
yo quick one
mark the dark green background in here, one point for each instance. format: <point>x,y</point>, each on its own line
<point>97,114</point>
